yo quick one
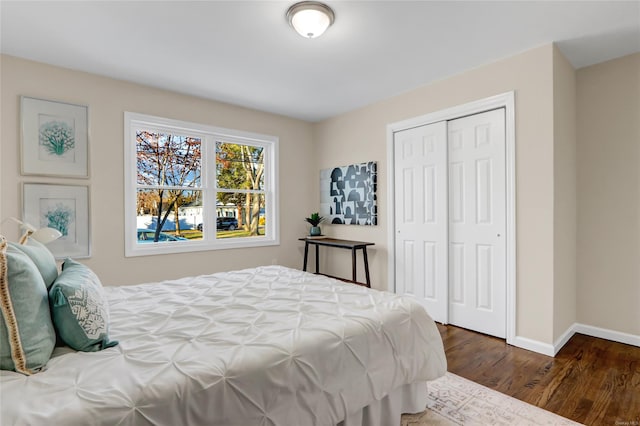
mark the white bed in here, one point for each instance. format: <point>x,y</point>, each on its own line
<point>263,346</point>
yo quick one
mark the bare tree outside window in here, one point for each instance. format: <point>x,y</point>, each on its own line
<point>169,168</point>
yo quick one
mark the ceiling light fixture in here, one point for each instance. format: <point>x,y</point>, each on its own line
<point>310,18</point>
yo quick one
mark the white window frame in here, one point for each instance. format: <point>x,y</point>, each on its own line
<point>209,136</point>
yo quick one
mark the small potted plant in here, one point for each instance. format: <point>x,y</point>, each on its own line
<point>314,220</point>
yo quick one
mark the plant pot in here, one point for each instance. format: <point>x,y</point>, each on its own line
<point>315,231</point>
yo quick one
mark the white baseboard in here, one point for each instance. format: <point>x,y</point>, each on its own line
<point>558,344</point>
<point>589,330</point>
<point>603,333</point>
<point>533,345</point>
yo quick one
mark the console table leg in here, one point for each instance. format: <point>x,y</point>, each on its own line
<point>353,265</point>
<point>317,259</point>
<point>366,266</point>
<point>306,252</point>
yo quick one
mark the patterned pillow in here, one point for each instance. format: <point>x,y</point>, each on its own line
<point>79,308</point>
<point>27,336</point>
<point>42,257</point>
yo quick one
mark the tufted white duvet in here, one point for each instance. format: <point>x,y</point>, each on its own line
<point>262,346</point>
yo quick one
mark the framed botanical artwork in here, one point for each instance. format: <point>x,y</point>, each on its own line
<point>62,207</point>
<point>54,138</point>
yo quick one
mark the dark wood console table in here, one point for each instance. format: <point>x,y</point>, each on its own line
<point>344,244</point>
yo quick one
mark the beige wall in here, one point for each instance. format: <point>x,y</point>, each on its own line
<point>564,214</point>
<point>609,195</point>
<point>361,136</point>
<point>107,100</point>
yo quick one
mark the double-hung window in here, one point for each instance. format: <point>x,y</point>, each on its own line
<point>192,187</point>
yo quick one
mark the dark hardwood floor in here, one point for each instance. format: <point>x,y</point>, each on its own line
<point>591,381</point>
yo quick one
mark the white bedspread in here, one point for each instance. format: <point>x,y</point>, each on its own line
<point>262,346</point>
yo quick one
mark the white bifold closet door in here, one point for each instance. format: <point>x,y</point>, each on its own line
<point>450,220</point>
<point>421,223</point>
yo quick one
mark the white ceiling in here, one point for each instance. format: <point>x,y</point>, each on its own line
<point>244,52</point>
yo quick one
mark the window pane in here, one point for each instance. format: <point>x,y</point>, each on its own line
<point>239,166</point>
<point>167,159</point>
<point>240,215</point>
<point>177,213</point>
<point>165,189</point>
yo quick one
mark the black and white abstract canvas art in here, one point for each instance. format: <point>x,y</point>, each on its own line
<point>348,194</point>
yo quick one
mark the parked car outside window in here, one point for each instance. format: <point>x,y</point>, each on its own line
<point>148,236</point>
<point>228,223</point>
<point>224,223</point>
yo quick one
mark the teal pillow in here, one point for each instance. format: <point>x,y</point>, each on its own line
<point>79,309</point>
<point>27,336</point>
<point>43,259</point>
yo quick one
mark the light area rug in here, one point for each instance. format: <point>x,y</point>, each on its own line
<point>454,400</point>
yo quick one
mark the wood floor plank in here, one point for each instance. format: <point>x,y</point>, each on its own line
<point>591,381</point>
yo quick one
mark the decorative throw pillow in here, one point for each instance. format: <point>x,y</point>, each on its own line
<point>79,309</point>
<point>42,257</point>
<point>27,336</point>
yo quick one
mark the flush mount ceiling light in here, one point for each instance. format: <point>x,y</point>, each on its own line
<point>310,18</point>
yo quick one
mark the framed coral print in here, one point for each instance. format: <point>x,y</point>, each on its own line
<point>62,207</point>
<point>54,138</point>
